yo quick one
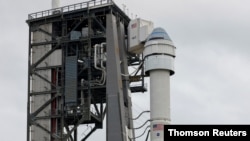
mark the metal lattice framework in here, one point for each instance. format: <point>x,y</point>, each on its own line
<point>64,88</point>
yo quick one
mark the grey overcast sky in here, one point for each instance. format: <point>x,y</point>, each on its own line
<point>212,80</point>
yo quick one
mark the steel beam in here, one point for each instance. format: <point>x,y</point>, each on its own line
<point>28,97</point>
<point>115,102</point>
<point>46,80</point>
<point>67,129</point>
<point>100,24</point>
<point>44,129</point>
<point>125,79</point>
<point>92,131</point>
<point>44,57</point>
<point>44,106</point>
<point>74,128</point>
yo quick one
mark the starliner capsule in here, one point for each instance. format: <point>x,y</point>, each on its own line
<point>159,54</point>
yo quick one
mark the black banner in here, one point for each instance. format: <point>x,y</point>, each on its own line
<point>206,131</point>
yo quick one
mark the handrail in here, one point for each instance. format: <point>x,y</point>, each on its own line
<point>69,8</point>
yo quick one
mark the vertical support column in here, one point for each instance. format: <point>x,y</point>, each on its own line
<point>65,45</point>
<point>87,101</point>
<point>28,96</point>
<point>125,79</point>
<point>115,102</point>
<point>75,134</point>
<point>53,105</point>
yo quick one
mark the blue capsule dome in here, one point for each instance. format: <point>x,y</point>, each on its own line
<point>158,33</point>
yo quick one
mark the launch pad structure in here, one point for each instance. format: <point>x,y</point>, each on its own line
<point>78,72</point>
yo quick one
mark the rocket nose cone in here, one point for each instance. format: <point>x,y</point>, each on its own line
<point>158,33</point>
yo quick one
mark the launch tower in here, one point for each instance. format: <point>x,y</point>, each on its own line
<point>78,63</point>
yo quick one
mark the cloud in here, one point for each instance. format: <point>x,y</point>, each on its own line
<point>214,84</point>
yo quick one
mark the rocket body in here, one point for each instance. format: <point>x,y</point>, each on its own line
<point>159,56</point>
<point>159,103</point>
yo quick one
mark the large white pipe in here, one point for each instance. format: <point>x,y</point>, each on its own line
<point>97,46</point>
<point>159,55</point>
<point>96,60</point>
<point>102,60</point>
<point>55,4</point>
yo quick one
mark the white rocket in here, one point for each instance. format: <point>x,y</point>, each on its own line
<point>159,54</point>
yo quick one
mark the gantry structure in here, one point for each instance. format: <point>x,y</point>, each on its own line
<point>78,72</point>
